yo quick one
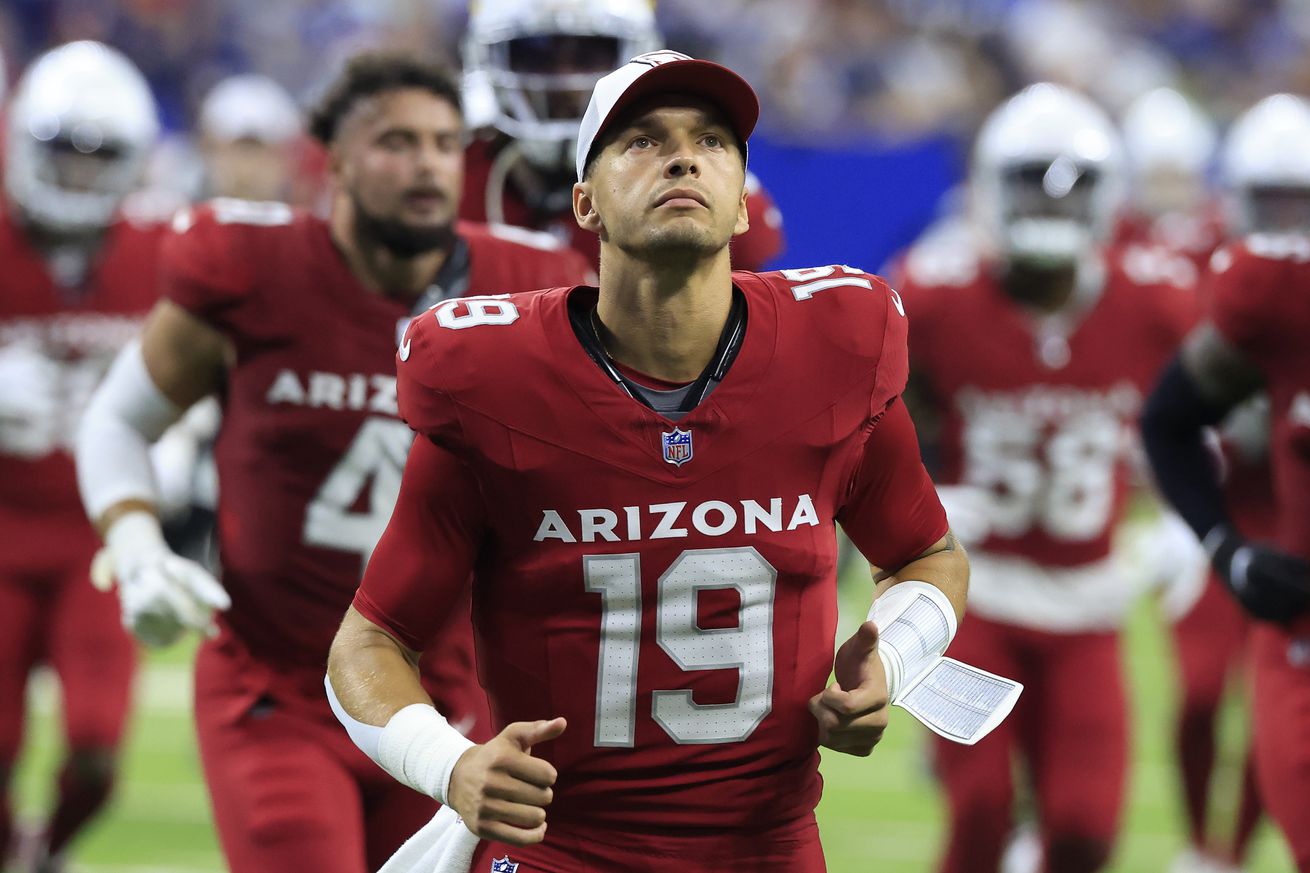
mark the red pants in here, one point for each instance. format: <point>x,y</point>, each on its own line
<point>1282,732</point>
<point>53,615</point>
<point>791,849</point>
<point>290,791</point>
<point>1069,728</point>
<point>1210,642</point>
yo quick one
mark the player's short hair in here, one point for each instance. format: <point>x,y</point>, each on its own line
<point>375,72</point>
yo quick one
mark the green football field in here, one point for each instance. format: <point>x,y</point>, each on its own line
<point>881,811</point>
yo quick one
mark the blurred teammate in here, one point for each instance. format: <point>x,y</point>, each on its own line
<point>76,287</point>
<point>1255,338</point>
<point>296,319</point>
<point>535,64</point>
<point>249,139</point>
<point>644,479</point>
<point>1031,361</point>
<point>1259,173</point>
<point>1170,146</point>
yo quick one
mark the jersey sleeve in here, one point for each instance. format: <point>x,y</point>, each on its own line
<point>424,404</point>
<point>891,511</point>
<point>1243,291</point>
<point>893,367</point>
<point>419,573</point>
<point>202,268</point>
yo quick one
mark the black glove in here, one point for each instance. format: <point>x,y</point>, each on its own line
<point>1271,585</point>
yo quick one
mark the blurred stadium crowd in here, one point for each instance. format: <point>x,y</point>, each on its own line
<point>827,70</point>
<point>232,79</point>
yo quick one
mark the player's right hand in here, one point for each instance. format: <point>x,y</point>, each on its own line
<point>1271,585</point>
<point>500,790</point>
<point>29,401</point>
<point>162,594</point>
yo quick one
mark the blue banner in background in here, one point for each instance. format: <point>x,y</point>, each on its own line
<point>855,206</point>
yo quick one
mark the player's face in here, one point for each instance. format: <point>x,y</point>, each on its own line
<point>248,168</point>
<point>670,179</point>
<point>1280,208</point>
<point>400,159</point>
<point>551,56</point>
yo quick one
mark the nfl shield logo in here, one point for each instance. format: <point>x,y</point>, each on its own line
<point>677,446</point>
<point>504,865</point>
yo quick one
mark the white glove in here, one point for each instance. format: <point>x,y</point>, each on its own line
<point>29,401</point>
<point>968,511</point>
<point>1165,556</point>
<point>162,594</point>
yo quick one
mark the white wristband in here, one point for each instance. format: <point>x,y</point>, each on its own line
<point>916,623</point>
<point>420,748</point>
<point>417,746</point>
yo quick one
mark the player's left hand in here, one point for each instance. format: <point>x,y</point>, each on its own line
<point>852,711</point>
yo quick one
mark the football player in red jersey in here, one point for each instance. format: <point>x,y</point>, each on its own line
<point>295,319</point>
<point>1031,361</point>
<point>79,129</point>
<point>531,67</point>
<point>1263,176</point>
<point>1170,146</point>
<point>644,480</point>
<point>1254,338</point>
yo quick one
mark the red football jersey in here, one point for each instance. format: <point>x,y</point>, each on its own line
<point>81,328</point>
<point>751,251</point>
<point>311,447</point>
<point>1260,301</point>
<point>670,589</point>
<point>1041,411</point>
<point>1194,235</point>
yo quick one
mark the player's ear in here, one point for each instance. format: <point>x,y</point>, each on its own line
<point>743,216</point>
<point>584,208</point>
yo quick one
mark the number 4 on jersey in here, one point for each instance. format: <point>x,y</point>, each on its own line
<point>374,461</point>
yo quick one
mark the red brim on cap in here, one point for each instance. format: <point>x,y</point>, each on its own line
<point>712,82</point>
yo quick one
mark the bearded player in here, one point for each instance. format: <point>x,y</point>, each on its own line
<point>80,127</point>
<point>534,64</point>
<point>1254,339</point>
<point>295,320</point>
<point>644,480</point>
<point>1031,363</point>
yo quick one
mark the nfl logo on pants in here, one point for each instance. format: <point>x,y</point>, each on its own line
<point>677,446</point>
<point>504,865</point>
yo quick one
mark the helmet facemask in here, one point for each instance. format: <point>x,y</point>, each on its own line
<point>1048,210</point>
<point>542,60</point>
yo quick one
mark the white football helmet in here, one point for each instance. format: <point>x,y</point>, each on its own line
<point>1047,176</point>
<point>81,125</point>
<point>1170,143</point>
<point>1266,166</point>
<point>542,58</point>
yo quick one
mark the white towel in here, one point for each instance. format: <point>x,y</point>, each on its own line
<point>443,845</point>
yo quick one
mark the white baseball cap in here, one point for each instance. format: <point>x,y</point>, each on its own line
<point>665,72</point>
<point>249,106</point>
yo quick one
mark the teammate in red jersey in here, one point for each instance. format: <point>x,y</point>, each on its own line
<point>1253,339</point>
<point>1170,147</point>
<point>1031,364</point>
<point>80,126</point>
<point>532,66</point>
<point>1266,186</point>
<point>644,479</point>
<point>296,320</point>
